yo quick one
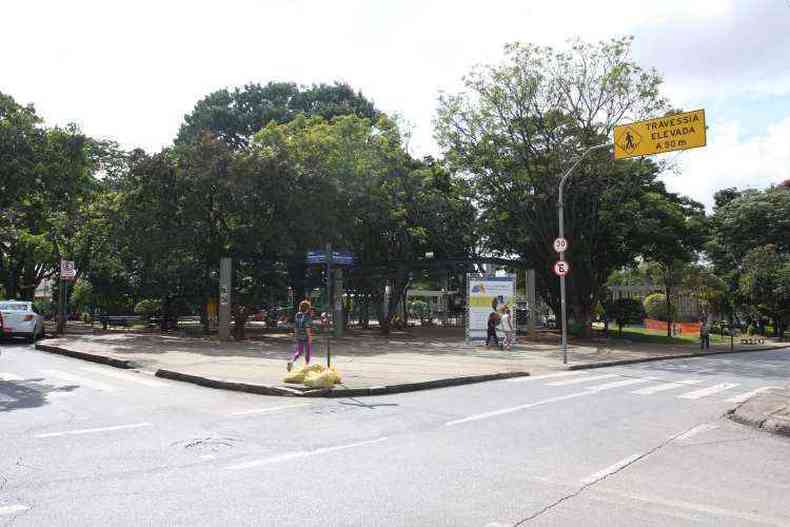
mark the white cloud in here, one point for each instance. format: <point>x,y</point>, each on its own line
<point>730,161</point>
<point>131,70</point>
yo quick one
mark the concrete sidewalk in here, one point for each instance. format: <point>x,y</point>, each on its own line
<point>366,360</point>
<point>769,411</point>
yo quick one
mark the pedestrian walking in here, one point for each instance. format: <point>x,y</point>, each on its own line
<point>507,327</point>
<point>303,333</point>
<point>704,335</point>
<point>493,320</point>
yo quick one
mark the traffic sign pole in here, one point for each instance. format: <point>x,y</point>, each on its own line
<point>564,344</point>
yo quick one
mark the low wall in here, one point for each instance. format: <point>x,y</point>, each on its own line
<point>678,328</point>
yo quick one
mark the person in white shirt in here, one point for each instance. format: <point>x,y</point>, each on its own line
<point>507,327</point>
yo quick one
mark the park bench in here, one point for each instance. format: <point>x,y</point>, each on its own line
<point>117,320</point>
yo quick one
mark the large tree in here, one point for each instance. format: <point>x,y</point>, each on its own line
<point>355,186</point>
<point>520,124</point>
<point>743,221</point>
<point>765,285</point>
<point>47,177</point>
<point>234,116</point>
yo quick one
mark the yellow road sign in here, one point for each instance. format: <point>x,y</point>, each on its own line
<point>664,134</point>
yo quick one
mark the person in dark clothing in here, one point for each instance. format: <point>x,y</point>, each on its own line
<point>493,320</point>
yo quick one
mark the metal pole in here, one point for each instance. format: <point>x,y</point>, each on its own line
<point>564,345</point>
<point>329,303</point>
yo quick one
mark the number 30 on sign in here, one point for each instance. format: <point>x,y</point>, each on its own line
<point>561,268</point>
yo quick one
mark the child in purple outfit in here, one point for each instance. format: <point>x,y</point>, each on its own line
<point>303,331</point>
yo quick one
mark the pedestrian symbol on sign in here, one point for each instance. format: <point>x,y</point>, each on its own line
<point>629,140</point>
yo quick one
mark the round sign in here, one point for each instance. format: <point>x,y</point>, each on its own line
<point>560,245</point>
<point>561,268</point>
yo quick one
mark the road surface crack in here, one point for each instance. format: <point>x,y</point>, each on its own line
<point>586,486</point>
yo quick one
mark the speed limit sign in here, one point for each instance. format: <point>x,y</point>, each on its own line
<point>560,245</point>
<point>561,268</point>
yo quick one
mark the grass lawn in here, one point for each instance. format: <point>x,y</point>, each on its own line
<point>640,334</point>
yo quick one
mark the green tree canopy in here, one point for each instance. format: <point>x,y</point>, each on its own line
<point>234,116</point>
<point>520,124</point>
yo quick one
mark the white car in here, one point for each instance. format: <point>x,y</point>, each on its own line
<point>19,319</point>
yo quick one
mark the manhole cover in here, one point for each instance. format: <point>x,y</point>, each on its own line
<point>207,444</point>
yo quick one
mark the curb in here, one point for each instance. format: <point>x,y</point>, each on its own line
<point>606,364</point>
<point>415,386</point>
<point>261,389</point>
<point>283,391</point>
<point>766,424</point>
<point>101,359</point>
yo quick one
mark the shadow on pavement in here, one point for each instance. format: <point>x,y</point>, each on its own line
<point>27,393</point>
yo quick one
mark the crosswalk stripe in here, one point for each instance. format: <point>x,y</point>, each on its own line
<point>710,390</point>
<point>131,377</point>
<point>616,384</point>
<point>650,390</point>
<point>583,379</point>
<point>9,377</point>
<point>700,429</point>
<point>79,380</point>
<point>11,509</point>
<point>748,395</point>
<point>93,430</point>
<point>546,376</point>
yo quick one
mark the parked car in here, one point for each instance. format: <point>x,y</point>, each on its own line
<point>20,319</point>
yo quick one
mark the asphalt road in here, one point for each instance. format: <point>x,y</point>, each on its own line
<point>85,444</point>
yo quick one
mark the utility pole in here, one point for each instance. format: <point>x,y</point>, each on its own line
<point>224,298</point>
<point>563,309</point>
<point>329,304</point>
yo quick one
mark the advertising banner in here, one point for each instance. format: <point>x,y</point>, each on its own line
<point>484,295</point>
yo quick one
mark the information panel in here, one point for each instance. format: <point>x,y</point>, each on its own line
<point>484,295</point>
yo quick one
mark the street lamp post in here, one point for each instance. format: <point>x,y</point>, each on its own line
<point>563,309</point>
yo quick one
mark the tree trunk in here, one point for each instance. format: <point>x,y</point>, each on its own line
<point>364,312</point>
<point>669,311</point>
<point>204,317</point>
<point>583,316</point>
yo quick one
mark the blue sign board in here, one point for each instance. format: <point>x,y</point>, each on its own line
<point>340,257</point>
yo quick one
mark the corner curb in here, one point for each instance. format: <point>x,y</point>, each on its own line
<point>334,393</point>
<point>261,389</point>
<point>101,359</point>
<point>605,364</point>
<point>765,424</point>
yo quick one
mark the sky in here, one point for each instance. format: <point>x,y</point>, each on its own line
<point>131,70</point>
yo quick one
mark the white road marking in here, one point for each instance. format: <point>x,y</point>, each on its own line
<point>592,478</point>
<point>7,398</point>
<point>9,377</point>
<point>617,384</point>
<point>301,454</point>
<point>94,430</point>
<point>76,379</point>
<point>131,377</point>
<point>696,431</point>
<point>748,395</point>
<point>546,376</point>
<point>267,410</point>
<point>710,390</point>
<point>650,390</point>
<point>583,379</point>
<point>497,413</point>
<point>11,509</point>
